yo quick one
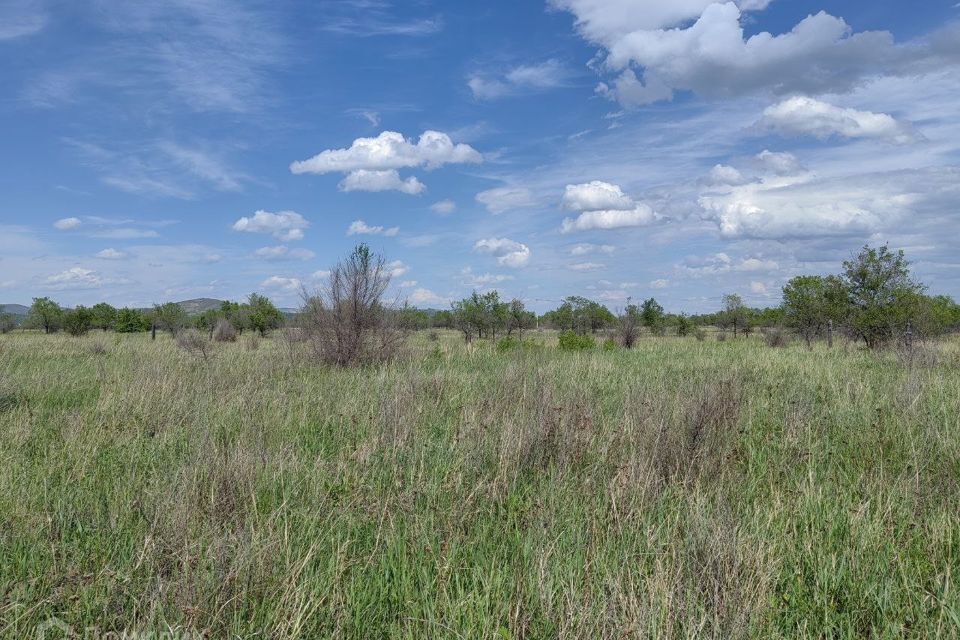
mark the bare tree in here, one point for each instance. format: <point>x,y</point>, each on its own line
<point>346,321</point>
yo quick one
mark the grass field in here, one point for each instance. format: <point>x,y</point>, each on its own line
<point>681,489</point>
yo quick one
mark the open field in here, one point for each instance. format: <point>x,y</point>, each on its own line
<point>680,489</point>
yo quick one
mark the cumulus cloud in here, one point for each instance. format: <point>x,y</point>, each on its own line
<point>444,207</point>
<point>721,263</point>
<point>585,248</point>
<point>522,79</point>
<point>283,252</point>
<point>501,199</point>
<point>284,225</point>
<point>801,115</point>
<point>779,162</point>
<point>75,278</point>
<point>111,254</point>
<point>397,268</point>
<point>421,296</point>
<point>359,227</point>
<point>603,206</point>
<point>722,174</point>
<point>594,196</point>
<point>283,284</point>
<point>758,288</point>
<point>390,150</point>
<point>388,180</point>
<point>65,224</point>
<point>699,45</point>
<point>508,253</point>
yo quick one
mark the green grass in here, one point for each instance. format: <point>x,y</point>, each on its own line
<point>680,489</point>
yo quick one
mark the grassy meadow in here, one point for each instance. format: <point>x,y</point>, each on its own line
<point>680,489</point>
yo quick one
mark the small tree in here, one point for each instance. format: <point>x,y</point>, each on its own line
<point>734,312</point>
<point>883,296</point>
<point>104,317</point>
<point>45,314</point>
<point>131,321</point>
<point>629,326</point>
<point>469,316</point>
<point>169,317</point>
<point>264,316</point>
<point>8,322</point>
<point>810,303</point>
<point>77,321</point>
<point>518,318</point>
<point>684,325</point>
<point>653,317</point>
<point>346,321</point>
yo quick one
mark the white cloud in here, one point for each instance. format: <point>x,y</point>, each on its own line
<point>659,284</point>
<point>805,206</point>
<point>722,174</point>
<point>444,207</point>
<point>509,253</point>
<point>203,165</point>
<point>471,279</point>
<point>125,233</point>
<point>595,196</point>
<point>283,252</point>
<point>387,180</point>
<point>585,248</point>
<point>522,79</point>
<point>359,227</point>
<point>758,287</point>
<point>503,199</point>
<point>281,283</point>
<point>427,297</point>
<point>285,225</point>
<point>721,263</point>
<point>111,254</point>
<point>75,278</point>
<point>586,266</point>
<point>779,162</point>
<point>65,224</point>
<point>397,268</point>
<point>390,150</point>
<point>641,216</point>
<point>710,55</point>
<point>800,115</point>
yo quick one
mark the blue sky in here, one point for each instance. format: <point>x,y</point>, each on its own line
<point>682,149</point>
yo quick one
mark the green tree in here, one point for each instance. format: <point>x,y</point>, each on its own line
<point>653,318</point>
<point>131,321</point>
<point>883,296</point>
<point>8,322</point>
<point>104,316</point>
<point>518,318</point>
<point>170,317</point>
<point>684,325</point>
<point>734,312</point>
<point>468,316</point>
<point>810,303</point>
<point>77,321</point>
<point>45,314</point>
<point>264,316</point>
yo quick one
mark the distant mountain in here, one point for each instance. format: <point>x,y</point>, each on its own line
<point>15,309</point>
<point>199,305</point>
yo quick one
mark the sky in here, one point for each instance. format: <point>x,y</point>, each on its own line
<point>163,150</point>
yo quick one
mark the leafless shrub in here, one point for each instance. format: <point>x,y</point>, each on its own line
<point>193,343</point>
<point>700,334</point>
<point>776,337</point>
<point>628,328</point>
<point>917,355</point>
<point>433,336</point>
<point>252,343</point>
<point>722,336</point>
<point>346,322</point>
<point>224,331</point>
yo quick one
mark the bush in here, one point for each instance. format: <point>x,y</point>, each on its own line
<point>77,321</point>
<point>192,342</point>
<point>776,337</point>
<point>570,341</point>
<point>609,345</point>
<point>699,334</point>
<point>722,336</point>
<point>508,343</point>
<point>224,331</point>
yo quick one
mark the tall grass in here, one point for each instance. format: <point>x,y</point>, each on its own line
<point>677,489</point>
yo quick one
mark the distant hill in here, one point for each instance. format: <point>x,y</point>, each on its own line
<point>15,309</point>
<point>199,305</point>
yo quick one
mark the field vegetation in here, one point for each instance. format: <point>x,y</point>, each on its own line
<point>346,476</point>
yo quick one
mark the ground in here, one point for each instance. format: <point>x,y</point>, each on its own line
<point>683,488</point>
